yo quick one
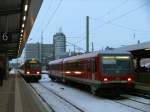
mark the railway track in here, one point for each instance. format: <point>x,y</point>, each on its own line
<point>72,106</point>
<point>138,99</point>
<point>49,106</point>
<point>138,103</point>
<point>144,95</point>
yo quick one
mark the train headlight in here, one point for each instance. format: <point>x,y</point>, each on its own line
<point>28,72</point>
<point>67,72</point>
<point>129,79</point>
<point>105,79</point>
<point>77,72</point>
<point>38,72</point>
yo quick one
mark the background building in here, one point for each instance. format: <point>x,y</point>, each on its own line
<point>59,42</point>
<point>44,53</point>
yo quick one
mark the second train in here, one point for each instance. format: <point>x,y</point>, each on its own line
<point>98,70</point>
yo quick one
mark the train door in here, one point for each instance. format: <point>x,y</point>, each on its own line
<point>87,69</point>
<point>93,64</point>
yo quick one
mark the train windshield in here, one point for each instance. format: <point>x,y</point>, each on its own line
<point>33,66</point>
<point>116,64</point>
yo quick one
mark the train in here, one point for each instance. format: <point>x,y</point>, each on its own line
<point>98,70</point>
<point>31,70</point>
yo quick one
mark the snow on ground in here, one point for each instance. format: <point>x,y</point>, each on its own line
<point>13,71</point>
<point>87,101</point>
<point>56,103</point>
<point>45,78</point>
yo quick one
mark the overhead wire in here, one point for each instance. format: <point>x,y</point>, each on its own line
<point>48,10</point>
<point>123,26</point>
<point>108,12</point>
<point>75,46</point>
<point>112,10</point>
<point>121,16</point>
<point>53,14</point>
<point>131,29</point>
<point>115,8</point>
<point>42,27</point>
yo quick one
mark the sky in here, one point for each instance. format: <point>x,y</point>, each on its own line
<point>113,23</point>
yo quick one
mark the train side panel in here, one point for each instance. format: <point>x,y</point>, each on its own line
<point>82,70</point>
<point>55,69</point>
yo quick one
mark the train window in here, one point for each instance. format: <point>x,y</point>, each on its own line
<point>73,66</point>
<point>94,66</point>
<point>32,66</point>
<point>113,65</point>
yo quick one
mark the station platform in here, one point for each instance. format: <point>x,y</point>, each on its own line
<point>142,87</point>
<point>143,82</point>
<point>17,96</point>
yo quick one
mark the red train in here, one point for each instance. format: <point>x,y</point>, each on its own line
<point>31,69</point>
<point>98,70</point>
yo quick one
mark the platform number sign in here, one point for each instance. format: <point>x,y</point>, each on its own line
<point>5,37</point>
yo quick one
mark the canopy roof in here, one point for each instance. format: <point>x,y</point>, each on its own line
<point>16,20</point>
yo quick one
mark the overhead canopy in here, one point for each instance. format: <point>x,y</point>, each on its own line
<point>16,20</point>
<point>140,50</point>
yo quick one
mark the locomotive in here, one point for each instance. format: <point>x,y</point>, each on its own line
<point>31,70</point>
<point>98,70</point>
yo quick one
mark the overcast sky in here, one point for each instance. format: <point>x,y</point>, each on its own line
<point>112,22</point>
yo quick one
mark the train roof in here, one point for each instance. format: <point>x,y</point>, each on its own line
<point>111,52</point>
<point>83,56</point>
<point>89,55</point>
<point>56,61</point>
<point>32,61</point>
<point>94,54</point>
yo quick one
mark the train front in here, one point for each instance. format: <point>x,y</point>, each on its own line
<point>32,69</point>
<point>117,70</point>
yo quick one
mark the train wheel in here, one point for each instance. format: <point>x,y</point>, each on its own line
<point>63,80</point>
<point>53,79</point>
<point>93,89</point>
<point>115,93</point>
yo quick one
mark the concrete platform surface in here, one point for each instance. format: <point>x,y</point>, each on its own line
<point>17,96</point>
<point>7,95</point>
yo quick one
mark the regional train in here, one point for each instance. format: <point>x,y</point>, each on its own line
<point>31,70</point>
<point>98,70</point>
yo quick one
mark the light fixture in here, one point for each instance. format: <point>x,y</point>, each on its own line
<point>147,49</point>
<point>22,25</point>
<point>24,18</point>
<point>21,38</point>
<point>21,35</point>
<point>21,31</point>
<point>122,57</point>
<point>26,8</point>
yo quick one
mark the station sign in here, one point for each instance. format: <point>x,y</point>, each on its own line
<point>5,37</point>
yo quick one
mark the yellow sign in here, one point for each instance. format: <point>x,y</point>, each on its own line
<point>33,61</point>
